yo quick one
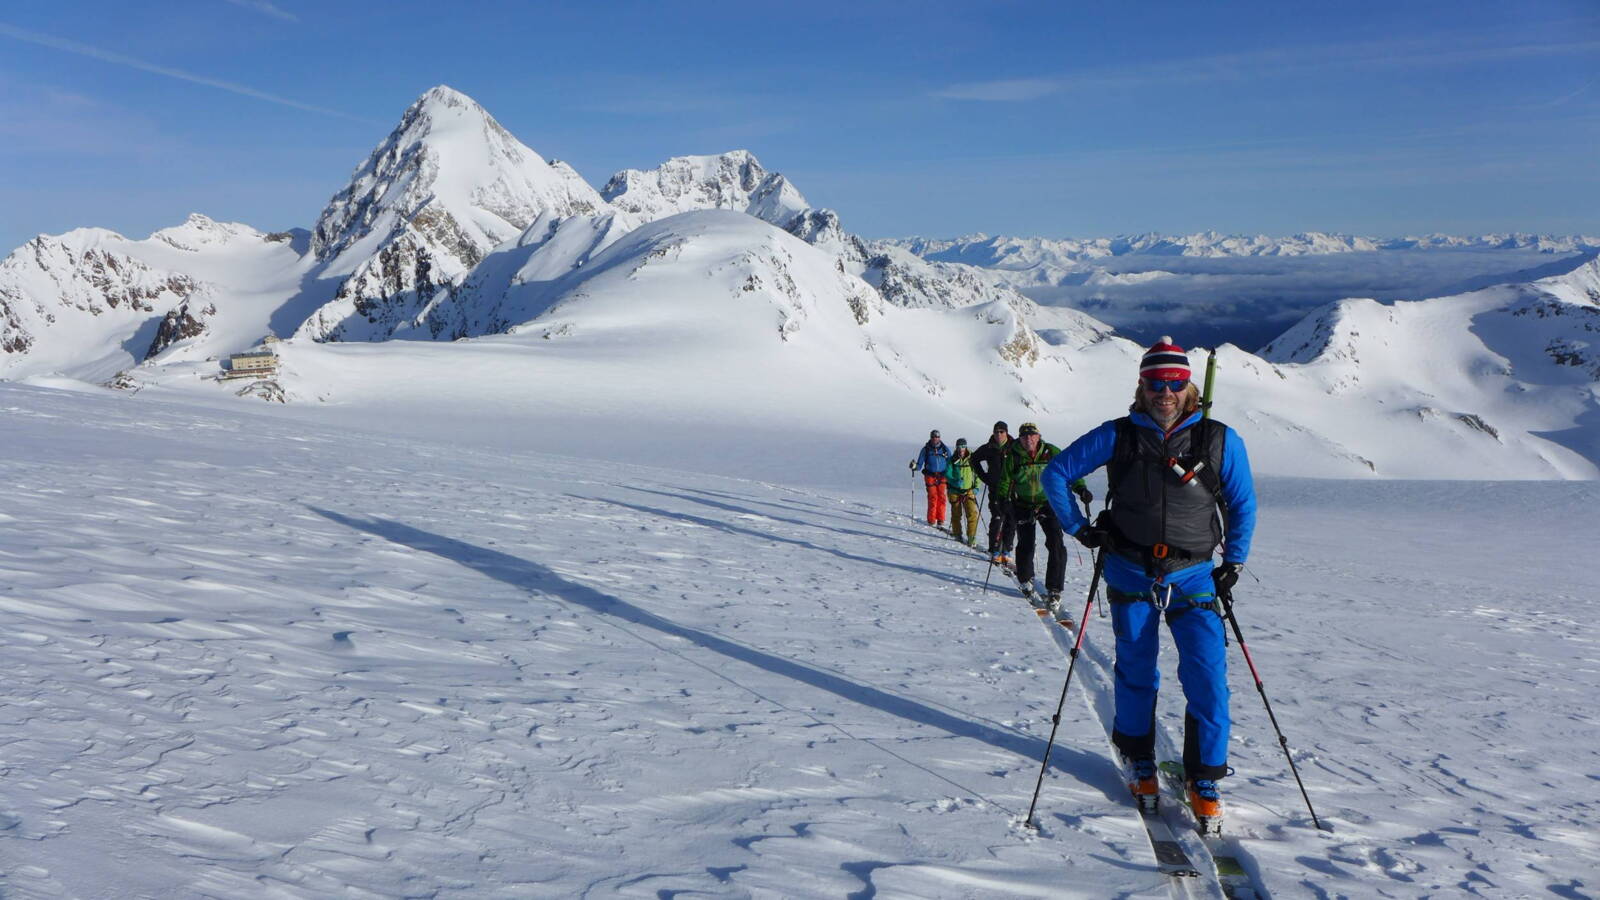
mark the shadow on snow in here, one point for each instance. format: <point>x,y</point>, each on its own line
<point>767,536</point>
<point>832,529</point>
<point>532,576</point>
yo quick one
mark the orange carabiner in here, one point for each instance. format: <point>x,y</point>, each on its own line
<point>1160,551</point>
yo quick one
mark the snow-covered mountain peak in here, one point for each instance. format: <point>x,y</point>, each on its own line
<point>698,271</point>
<point>453,171</point>
<point>202,231</point>
<point>1347,329</point>
<point>74,298</point>
<point>734,180</point>
<point>442,95</point>
<point>78,239</point>
<point>1580,286</point>
<point>1328,333</point>
<point>446,187</point>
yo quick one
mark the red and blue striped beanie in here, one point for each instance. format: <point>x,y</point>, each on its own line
<point>1164,360</point>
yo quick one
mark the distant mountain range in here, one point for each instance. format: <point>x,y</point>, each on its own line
<point>1217,288</point>
<point>1020,253</point>
<point>459,268</point>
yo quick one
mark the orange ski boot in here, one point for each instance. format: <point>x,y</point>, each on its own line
<point>1146,789</point>
<point>1206,803</point>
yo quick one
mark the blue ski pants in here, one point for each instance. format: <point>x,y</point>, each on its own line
<point>1197,631</point>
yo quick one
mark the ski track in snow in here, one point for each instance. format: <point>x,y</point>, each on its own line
<point>246,657</point>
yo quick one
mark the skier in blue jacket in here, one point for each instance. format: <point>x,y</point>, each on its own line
<point>934,459</point>
<point>1169,472</point>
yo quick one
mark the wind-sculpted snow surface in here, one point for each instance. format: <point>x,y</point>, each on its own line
<point>332,662</point>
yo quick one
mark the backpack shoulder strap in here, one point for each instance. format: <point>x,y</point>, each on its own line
<point>1207,431</point>
<point>1123,454</point>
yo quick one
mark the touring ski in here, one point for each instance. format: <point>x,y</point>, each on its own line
<point>1231,873</point>
<point>1170,855</point>
<point>1046,604</point>
<point>1170,827</point>
<point>1171,858</point>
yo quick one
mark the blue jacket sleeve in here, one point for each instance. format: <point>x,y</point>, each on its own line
<point>1239,490</point>
<point>1083,456</point>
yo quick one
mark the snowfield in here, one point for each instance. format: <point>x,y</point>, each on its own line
<point>297,651</point>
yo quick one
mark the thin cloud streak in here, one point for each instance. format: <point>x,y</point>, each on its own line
<point>73,47</point>
<point>1016,90</point>
<point>267,7</point>
<point>1568,97</point>
<point>1368,55</point>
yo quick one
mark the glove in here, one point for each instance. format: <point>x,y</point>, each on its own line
<point>1084,495</point>
<point>912,465</point>
<point>1090,536</point>
<point>1226,576</point>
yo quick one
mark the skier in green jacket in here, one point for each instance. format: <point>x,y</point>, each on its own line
<point>1025,460</point>
<point>962,484</point>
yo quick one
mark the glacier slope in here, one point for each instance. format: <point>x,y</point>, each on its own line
<point>254,654</point>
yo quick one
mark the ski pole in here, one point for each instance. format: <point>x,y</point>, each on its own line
<point>1105,510</point>
<point>1055,720</point>
<point>1227,605</point>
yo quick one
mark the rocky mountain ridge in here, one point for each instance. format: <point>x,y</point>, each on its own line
<point>446,187</point>
<point>713,275</point>
<point>452,228</point>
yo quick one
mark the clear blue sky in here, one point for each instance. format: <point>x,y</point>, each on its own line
<point>1058,119</point>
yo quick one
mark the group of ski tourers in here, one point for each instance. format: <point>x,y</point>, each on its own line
<point>1010,472</point>
<point>1170,471</point>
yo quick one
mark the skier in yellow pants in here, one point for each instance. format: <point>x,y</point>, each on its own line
<point>962,484</point>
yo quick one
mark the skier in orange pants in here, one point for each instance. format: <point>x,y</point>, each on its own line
<point>933,460</point>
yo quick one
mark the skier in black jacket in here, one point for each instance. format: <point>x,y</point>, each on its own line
<point>989,461</point>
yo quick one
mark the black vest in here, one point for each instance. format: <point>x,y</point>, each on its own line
<point>1152,506</point>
